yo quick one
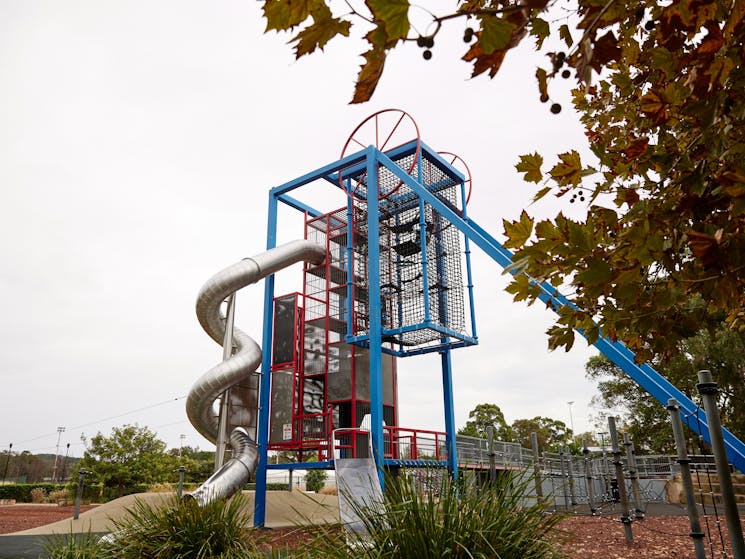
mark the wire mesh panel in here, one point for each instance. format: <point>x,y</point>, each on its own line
<point>421,256</point>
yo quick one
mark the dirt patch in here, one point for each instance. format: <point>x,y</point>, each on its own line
<point>14,518</point>
<point>654,537</point>
<point>584,537</point>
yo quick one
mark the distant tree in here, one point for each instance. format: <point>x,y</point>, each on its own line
<point>551,433</point>
<point>130,455</point>
<point>482,416</point>
<point>198,464</point>
<point>315,480</point>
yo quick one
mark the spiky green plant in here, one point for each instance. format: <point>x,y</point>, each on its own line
<point>72,546</point>
<point>184,530</point>
<point>450,520</point>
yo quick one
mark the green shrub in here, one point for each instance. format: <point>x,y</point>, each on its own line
<point>314,480</point>
<point>21,492</point>
<point>180,528</point>
<point>450,520</point>
<point>73,546</point>
<point>269,486</point>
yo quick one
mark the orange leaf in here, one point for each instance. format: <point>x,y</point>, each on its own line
<point>636,148</point>
<point>483,62</point>
<point>369,75</point>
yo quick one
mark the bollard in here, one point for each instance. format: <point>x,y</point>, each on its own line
<point>79,494</point>
<point>625,518</point>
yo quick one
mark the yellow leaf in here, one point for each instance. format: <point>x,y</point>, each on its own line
<point>531,166</point>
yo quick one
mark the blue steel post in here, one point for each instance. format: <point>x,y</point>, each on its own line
<point>447,396</point>
<point>469,272</point>
<point>373,287</point>
<point>266,379</point>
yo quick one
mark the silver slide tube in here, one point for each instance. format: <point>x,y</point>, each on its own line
<point>240,366</point>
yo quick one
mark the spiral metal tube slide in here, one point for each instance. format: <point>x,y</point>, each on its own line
<point>240,367</point>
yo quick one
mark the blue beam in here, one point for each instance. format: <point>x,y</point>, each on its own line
<point>325,172</point>
<point>644,375</point>
<point>447,394</point>
<point>298,205</point>
<point>266,377</point>
<point>373,291</point>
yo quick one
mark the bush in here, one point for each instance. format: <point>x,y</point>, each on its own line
<point>180,528</point>
<point>21,492</point>
<point>73,546</point>
<point>38,495</point>
<point>314,480</point>
<point>450,520</point>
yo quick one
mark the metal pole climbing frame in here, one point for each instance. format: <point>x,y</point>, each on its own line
<point>625,518</point>
<point>708,390</point>
<point>685,475</point>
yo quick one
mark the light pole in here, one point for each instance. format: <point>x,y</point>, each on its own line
<point>7,461</point>
<point>64,464</point>
<point>180,444</point>
<point>571,417</point>
<point>60,430</point>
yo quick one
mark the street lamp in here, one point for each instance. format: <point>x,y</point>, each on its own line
<point>571,418</point>
<point>60,430</point>
<point>64,464</point>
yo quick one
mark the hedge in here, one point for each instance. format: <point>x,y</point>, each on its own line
<point>21,492</point>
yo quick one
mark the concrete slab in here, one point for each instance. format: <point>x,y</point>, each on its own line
<point>283,510</point>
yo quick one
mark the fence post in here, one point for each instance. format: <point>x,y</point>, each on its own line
<point>708,389</point>
<point>563,478</point>
<point>588,478</point>
<point>79,494</point>
<point>620,479</point>
<point>492,454</point>
<point>536,466</point>
<point>685,477</point>
<point>634,477</point>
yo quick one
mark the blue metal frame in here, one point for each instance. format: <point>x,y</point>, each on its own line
<point>368,161</point>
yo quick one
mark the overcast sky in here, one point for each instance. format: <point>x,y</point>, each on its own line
<point>138,141</point>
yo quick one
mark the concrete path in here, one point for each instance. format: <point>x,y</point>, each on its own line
<point>283,510</point>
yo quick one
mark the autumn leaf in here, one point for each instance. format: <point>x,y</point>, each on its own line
<point>282,15</point>
<point>483,62</point>
<point>652,106</point>
<point>704,247</point>
<point>605,50</point>
<point>495,35</point>
<point>324,28</point>
<point>598,272</point>
<point>531,166</point>
<point>542,77</point>
<point>393,14</point>
<point>569,170</point>
<point>518,232</point>
<point>540,30</point>
<point>566,35</point>
<point>369,76</point>
<point>636,148</point>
